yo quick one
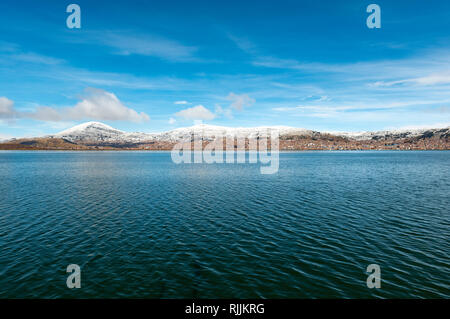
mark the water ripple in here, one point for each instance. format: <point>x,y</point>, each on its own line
<point>141,226</point>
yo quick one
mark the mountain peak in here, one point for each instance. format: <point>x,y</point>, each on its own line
<point>90,131</point>
<point>87,126</point>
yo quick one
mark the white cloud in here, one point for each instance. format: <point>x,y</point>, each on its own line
<point>226,112</point>
<point>324,98</point>
<point>172,121</point>
<point>7,108</point>
<point>4,137</point>
<point>238,102</point>
<point>198,112</point>
<point>181,102</point>
<point>96,105</point>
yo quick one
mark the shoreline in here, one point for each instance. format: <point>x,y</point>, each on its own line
<point>246,151</point>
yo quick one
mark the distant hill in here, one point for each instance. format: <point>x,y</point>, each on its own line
<point>41,144</point>
<point>99,136</point>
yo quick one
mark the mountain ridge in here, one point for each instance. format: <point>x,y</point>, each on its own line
<point>100,129</point>
<point>97,135</point>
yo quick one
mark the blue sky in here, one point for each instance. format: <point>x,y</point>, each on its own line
<point>156,65</point>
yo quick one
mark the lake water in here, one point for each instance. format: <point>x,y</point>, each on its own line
<point>139,225</point>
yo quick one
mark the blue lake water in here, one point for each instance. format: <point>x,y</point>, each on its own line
<point>141,226</point>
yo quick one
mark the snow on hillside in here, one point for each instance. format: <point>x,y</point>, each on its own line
<point>211,131</point>
<point>393,134</point>
<point>96,132</point>
<point>90,131</point>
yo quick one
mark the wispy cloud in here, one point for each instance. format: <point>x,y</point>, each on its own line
<point>432,79</point>
<point>132,43</point>
<point>32,57</point>
<point>243,43</point>
<point>427,68</point>
<point>360,106</point>
<point>420,127</point>
<point>11,52</point>
<point>181,102</point>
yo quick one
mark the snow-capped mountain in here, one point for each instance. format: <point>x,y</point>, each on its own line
<point>90,131</point>
<point>99,136</point>
<point>211,131</point>
<point>99,132</point>
<point>392,135</point>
